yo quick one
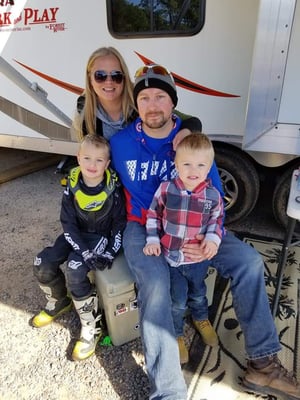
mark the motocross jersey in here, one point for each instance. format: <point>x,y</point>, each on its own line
<point>96,210</point>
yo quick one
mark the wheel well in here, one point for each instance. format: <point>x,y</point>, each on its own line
<point>218,145</point>
<point>262,170</point>
<point>270,178</point>
<point>239,179</point>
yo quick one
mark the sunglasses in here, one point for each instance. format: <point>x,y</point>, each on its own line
<point>101,76</point>
<point>156,69</point>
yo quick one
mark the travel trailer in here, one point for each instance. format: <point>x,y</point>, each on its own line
<point>235,64</point>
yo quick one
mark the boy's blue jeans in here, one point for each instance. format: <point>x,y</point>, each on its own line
<point>188,289</point>
<point>236,261</point>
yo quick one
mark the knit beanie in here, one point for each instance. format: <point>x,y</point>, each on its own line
<point>152,80</point>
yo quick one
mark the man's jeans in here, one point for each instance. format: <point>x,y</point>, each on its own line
<point>235,260</point>
<point>243,265</point>
<point>157,331</point>
<point>188,289</point>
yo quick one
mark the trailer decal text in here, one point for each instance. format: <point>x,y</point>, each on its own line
<point>32,16</point>
<point>7,3</point>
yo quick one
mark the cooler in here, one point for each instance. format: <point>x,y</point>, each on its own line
<point>117,297</point>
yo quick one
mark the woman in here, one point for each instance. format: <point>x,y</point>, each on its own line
<point>106,105</point>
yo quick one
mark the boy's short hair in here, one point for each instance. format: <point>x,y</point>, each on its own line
<point>197,141</point>
<point>97,141</point>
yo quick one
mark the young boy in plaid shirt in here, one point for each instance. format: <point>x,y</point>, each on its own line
<point>181,208</point>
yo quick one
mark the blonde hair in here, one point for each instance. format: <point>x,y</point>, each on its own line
<point>96,140</point>
<point>88,114</point>
<point>197,141</point>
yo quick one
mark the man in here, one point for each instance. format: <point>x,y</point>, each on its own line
<point>143,156</point>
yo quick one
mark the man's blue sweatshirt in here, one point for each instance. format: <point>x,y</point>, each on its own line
<point>142,163</point>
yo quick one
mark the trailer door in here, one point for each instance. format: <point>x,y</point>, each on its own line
<point>289,111</point>
<point>273,117</point>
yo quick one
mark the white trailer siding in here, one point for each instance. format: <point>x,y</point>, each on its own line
<point>242,66</point>
<point>218,57</point>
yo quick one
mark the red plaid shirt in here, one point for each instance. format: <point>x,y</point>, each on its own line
<point>176,216</point>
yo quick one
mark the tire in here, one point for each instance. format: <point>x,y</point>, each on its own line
<point>240,182</point>
<point>281,196</point>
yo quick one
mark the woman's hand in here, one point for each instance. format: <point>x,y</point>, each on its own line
<point>179,136</point>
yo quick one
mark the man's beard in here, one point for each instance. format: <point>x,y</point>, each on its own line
<point>156,124</point>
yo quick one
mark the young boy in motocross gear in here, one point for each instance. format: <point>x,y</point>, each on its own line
<point>93,219</point>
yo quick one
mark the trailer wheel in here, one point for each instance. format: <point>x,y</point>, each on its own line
<point>280,197</point>
<point>240,182</point>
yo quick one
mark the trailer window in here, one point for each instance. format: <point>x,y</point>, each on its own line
<point>142,18</point>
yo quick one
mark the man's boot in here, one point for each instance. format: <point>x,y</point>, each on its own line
<point>58,302</point>
<point>271,379</point>
<point>90,334</point>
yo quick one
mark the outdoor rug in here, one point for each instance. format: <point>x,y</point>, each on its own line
<point>214,374</point>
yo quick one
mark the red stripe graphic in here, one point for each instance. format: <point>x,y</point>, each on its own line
<point>179,80</point>
<point>189,85</point>
<point>71,88</point>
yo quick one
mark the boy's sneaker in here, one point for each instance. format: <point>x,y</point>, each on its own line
<point>183,352</point>
<point>45,317</point>
<point>207,332</point>
<point>274,380</point>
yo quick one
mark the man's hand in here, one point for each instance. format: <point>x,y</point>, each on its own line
<point>179,136</point>
<point>195,249</point>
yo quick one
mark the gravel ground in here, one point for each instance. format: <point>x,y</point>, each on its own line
<point>36,363</point>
